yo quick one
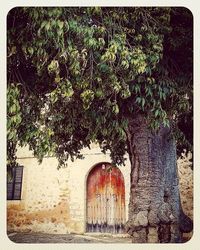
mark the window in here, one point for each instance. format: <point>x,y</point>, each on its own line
<point>14,186</point>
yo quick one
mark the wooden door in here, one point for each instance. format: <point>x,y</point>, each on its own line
<point>105,200</point>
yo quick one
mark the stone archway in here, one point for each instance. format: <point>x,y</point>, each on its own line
<point>105,202</point>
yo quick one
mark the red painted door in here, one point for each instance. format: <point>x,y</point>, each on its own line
<point>105,200</point>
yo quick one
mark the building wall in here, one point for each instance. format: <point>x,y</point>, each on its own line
<point>186,185</point>
<point>54,201</point>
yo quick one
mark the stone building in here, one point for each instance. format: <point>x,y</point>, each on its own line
<point>76,199</point>
<point>57,201</point>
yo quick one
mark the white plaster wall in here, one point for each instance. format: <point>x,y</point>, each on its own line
<point>186,182</point>
<point>51,197</point>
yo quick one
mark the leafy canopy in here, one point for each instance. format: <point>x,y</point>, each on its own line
<point>78,75</point>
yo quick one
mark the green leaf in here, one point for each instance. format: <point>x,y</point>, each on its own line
<point>138,100</point>
<point>60,24</point>
<point>30,50</point>
<point>115,108</point>
<point>47,26</point>
<point>43,24</point>
<point>13,109</point>
<point>166,123</point>
<point>104,68</point>
<point>143,102</point>
<point>156,113</point>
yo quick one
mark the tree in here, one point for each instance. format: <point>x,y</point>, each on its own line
<point>120,77</point>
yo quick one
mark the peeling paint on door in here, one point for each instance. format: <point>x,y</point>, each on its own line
<point>105,199</point>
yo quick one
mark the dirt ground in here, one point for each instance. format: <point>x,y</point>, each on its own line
<point>66,238</point>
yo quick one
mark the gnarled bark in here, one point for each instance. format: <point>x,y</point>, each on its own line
<point>154,208</point>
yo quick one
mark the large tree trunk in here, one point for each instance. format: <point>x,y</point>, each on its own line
<point>154,208</point>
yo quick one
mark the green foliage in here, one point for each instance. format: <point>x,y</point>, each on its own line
<point>13,112</point>
<point>77,75</point>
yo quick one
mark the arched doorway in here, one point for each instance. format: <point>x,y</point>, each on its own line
<point>105,200</point>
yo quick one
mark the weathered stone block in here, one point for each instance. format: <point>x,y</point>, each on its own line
<point>153,218</point>
<point>153,235</point>
<point>141,219</point>
<point>164,213</point>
